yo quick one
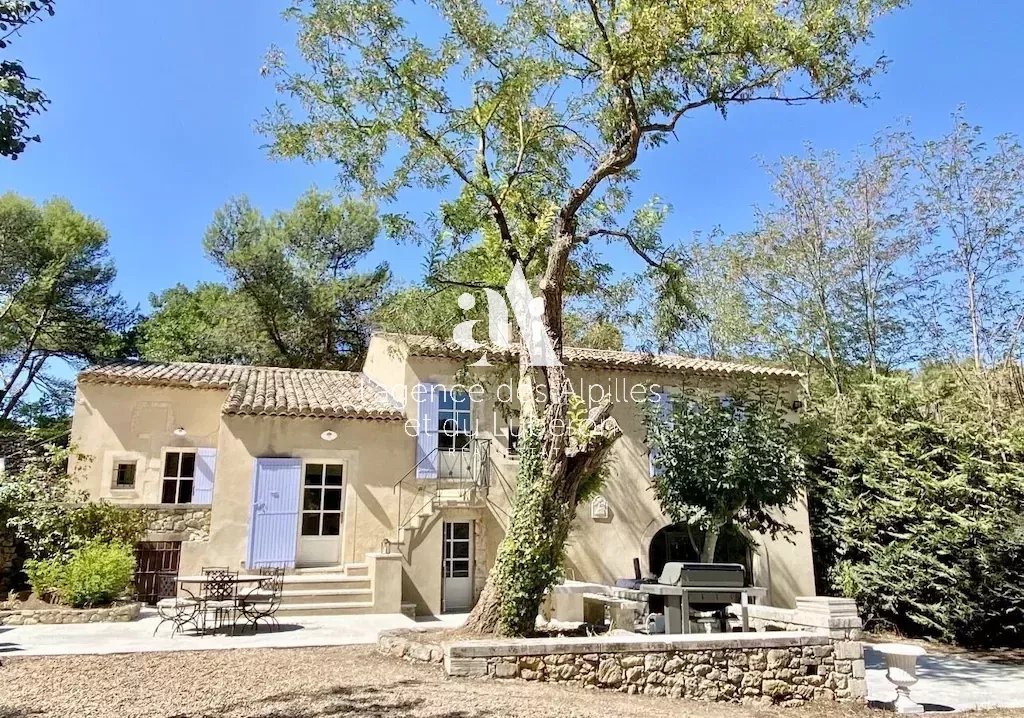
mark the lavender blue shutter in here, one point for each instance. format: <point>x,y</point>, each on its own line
<point>202,486</point>
<point>665,409</point>
<point>426,432</point>
<point>273,521</point>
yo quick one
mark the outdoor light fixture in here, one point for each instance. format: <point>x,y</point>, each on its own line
<point>329,435</point>
<point>180,431</point>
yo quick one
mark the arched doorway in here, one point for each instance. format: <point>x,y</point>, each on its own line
<point>673,543</point>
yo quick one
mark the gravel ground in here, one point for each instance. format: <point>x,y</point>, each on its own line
<point>314,682</point>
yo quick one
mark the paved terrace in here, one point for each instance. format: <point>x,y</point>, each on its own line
<point>950,683</point>
<point>137,636</point>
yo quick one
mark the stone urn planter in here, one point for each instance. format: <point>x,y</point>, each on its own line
<point>901,662</point>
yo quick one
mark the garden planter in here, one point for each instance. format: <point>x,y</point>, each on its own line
<point>901,662</point>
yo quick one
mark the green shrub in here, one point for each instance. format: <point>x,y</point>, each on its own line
<point>50,518</point>
<point>106,522</point>
<point>917,508</point>
<point>45,577</point>
<point>97,574</point>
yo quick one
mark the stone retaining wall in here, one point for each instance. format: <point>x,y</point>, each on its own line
<point>410,644</point>
<point>62,614</point>
<point>787,668</point>
<point>184,522</point>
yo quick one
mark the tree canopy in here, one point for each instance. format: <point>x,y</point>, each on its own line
<point>295,294</point>
<point>19,100</point>
<point>722,461</point>
<point>56,297</point>
<point>910,251</point>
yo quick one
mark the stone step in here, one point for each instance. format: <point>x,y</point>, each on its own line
<point>321,596</point>
<point>326,582</point>
<point>305,570</point>
<point>324,609</point>
<point>357,569</point>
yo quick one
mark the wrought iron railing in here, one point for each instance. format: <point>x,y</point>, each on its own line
<point>464,474</point>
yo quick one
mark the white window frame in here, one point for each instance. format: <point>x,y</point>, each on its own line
<point>456,413</point>
<point>177,479</point>
<point>323,463</point>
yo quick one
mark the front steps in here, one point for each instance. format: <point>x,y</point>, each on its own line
<point>327,591</point>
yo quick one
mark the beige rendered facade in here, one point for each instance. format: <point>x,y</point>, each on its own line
<point>352,442</point>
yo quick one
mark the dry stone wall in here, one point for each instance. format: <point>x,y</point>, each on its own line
<point>111,614</point>
<point>784,668</point>
<point>184,522</point>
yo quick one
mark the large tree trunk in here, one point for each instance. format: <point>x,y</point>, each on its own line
<point>552,468</point>
<point>554,461</point>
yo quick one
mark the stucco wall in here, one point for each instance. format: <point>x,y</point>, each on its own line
<point>375,455</point>
<point>115,422</point>
<point>600,549</point>
<point>136,423</point>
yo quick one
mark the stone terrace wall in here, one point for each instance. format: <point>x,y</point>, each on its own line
<point>787,668</point>
<point>184,522</point>
<point>64,614</point>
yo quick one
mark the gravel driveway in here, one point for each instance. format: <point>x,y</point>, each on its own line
<point>313,682</point>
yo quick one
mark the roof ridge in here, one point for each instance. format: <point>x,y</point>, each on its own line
<point>578,355</point>
<point>219,365</point>
<point>265,391</point>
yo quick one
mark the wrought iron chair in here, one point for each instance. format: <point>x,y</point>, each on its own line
<point>262,602</point>
<point>220,596</point>
<point>178,610</point>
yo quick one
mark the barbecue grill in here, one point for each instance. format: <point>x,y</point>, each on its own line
<point>683,587</point>
<point>724,575</point>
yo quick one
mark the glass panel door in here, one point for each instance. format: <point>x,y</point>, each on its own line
<point>323,500</point>
<point>457,566</point>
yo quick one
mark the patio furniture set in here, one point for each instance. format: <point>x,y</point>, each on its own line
<point>220,598</point>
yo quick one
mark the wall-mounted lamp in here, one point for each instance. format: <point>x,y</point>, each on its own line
<point>180,431</point>
<point>329,435</point>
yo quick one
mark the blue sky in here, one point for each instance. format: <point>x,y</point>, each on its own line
<point>151,126</point>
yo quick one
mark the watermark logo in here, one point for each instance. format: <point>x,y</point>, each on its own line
<point>528,312</point>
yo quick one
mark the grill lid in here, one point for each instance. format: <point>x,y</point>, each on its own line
<point>681,573</point>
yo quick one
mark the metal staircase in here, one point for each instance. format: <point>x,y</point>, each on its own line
<point>464,478</point>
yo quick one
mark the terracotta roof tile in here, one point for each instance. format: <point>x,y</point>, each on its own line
<point>428,346</point>
<point>262,391</point>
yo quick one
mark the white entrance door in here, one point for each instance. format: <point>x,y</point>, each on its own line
<point>323,499</point>
<point>457,567</point>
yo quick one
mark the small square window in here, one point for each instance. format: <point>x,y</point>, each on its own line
<point>332,500</point>
<point>314,474</point>
<point>185,491</point>
<point>124,475</point>
<point>169,494</point>
<point>171,463</point>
